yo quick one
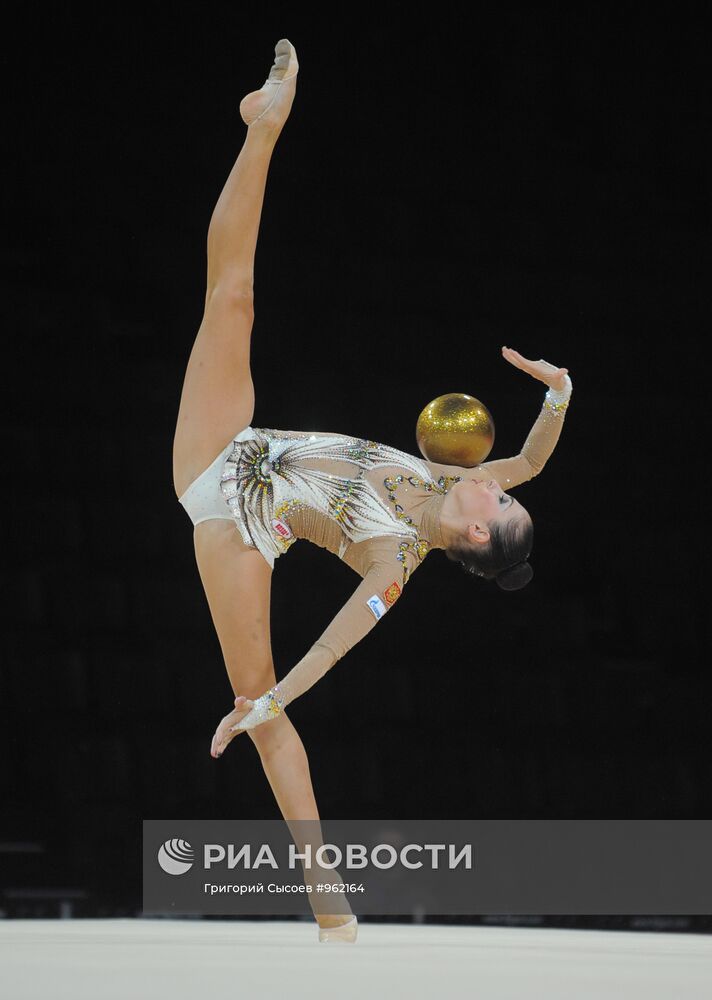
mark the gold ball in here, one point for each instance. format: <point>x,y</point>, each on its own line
<point>455,429</point>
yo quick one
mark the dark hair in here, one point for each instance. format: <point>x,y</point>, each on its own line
<point>504,559</point>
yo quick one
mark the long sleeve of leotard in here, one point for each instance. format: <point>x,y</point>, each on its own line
<point>539,445</point>
<point>536,450</point>
<point>378,591</point>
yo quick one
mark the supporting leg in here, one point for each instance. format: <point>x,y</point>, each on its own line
<point>286,765</point>
<point>284,760</point>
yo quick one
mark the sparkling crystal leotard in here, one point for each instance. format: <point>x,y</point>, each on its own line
<point>374,506</point>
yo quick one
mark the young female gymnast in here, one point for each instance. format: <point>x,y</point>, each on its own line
<point>379,509</point>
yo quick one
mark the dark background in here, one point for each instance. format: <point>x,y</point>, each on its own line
<point>538,179</point>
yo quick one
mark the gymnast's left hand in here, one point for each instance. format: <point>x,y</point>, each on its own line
<point>223,737</point>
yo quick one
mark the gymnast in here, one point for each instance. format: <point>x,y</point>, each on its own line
<point>252,492</point>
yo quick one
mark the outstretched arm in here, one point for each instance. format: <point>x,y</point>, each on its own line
<point>540,442</point>
<point>543,436</point>
<point>378,591</point>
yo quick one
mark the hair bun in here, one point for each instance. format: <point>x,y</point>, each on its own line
<point>515,577</point>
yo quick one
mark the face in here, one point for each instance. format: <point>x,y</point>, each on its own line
<point>482,501</point>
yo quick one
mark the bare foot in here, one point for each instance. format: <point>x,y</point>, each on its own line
<point>270,106</point>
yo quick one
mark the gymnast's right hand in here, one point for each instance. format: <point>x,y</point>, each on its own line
<point>223,736</point>
<point>549,374</point>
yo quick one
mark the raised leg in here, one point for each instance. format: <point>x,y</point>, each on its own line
<point>218,397</point>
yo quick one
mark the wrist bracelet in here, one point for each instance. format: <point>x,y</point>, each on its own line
<point>266,707</point>
<point>558,399</point>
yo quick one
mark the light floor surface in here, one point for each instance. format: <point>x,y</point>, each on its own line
<point>181,959</point>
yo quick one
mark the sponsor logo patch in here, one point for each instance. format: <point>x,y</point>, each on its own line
<point>376,605</point>
<point>392,593</point>
<point>281,527</point>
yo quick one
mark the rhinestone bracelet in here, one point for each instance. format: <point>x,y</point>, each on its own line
<point>264,708</point>
<point>558,399</point>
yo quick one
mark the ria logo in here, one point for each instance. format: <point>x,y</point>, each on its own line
<point>176,857</point>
